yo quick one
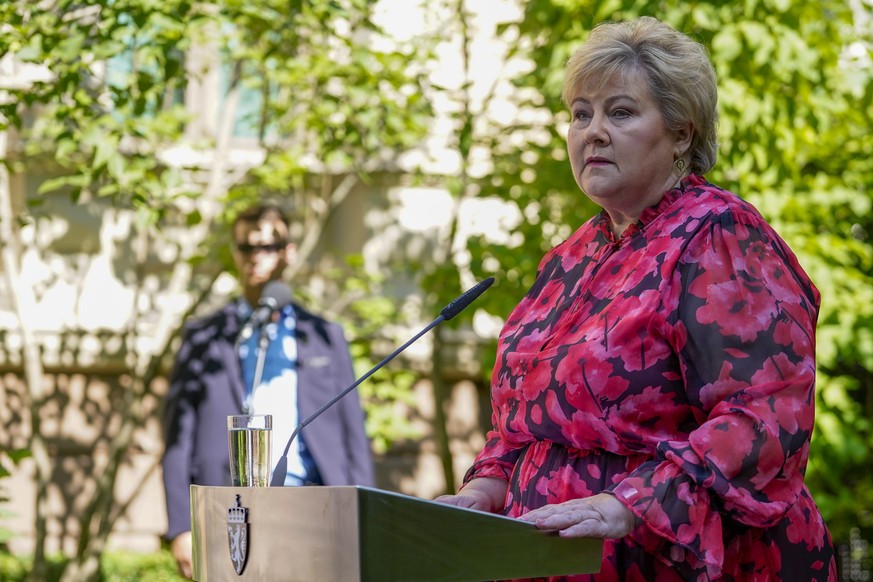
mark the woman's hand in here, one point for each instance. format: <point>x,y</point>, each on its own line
<point>484,494</point>
<point>599,516</point>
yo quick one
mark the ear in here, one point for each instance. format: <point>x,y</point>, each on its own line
<point>683,138</point>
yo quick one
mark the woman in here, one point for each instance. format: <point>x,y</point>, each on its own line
<point>655,385</point>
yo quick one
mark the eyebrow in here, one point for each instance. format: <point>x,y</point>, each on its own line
<point>609,101</point>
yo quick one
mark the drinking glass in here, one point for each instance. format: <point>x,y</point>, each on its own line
<point>249,440</point>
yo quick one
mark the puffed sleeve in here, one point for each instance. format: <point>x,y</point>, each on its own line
<point>742,324</point>
<point>496,459</point>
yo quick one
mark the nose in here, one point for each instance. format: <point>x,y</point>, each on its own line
<point>595,131</point>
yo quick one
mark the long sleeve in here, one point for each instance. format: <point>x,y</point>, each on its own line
<point>744,333</point>
<point>496,459</point>
<point>205,387</point>
<point>179,433</point>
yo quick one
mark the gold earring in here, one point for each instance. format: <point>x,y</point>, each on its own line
<point>679,166</point>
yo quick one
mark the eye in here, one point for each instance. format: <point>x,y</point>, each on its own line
<point>581,114</point>
<point>621,113</point>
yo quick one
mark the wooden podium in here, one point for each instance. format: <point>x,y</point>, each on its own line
<point>360,534</point>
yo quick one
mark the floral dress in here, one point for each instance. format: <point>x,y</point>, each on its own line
<point>673,367</point>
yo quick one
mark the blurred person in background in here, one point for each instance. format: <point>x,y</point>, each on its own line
<point>306,363</point>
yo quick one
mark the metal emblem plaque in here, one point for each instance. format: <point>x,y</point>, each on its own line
<point>238,535</point>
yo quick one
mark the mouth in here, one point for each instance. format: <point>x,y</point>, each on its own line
<point>596,161</point>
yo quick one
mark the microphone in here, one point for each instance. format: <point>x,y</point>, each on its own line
<point>447,313</point>
<point>274,296</point>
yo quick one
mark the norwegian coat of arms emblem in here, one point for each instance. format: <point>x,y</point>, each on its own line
<point>238,535</point>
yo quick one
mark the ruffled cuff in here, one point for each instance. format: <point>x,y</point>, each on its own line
<point>489,468</point>
<point>677,523</point>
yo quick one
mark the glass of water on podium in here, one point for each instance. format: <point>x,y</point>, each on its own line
<point>249,440</point>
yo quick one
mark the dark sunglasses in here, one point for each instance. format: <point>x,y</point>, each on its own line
<point>247,249</point>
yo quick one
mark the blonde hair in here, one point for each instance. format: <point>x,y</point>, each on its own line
<point>677,68</point>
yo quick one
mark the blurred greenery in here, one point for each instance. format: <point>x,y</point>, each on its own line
<point>8,462</point>
<point>114,567</point>
<point>368,317</point>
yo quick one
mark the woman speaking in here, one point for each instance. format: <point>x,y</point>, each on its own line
<point>655,387</point>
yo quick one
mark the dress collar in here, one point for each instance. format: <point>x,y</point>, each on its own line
<point>652,212</point>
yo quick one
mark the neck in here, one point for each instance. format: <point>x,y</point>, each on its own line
<point>618,227</point>
<point>252,295</point>
<point>620,219</point>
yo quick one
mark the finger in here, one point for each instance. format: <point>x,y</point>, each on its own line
<point>565,516</point>
<point>589,528</point>
<point>541,513</point>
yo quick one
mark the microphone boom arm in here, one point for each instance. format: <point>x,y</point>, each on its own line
<point>331,402</point>
<point>448,312</point>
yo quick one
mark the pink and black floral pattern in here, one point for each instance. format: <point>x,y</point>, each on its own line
<point>675,368</point>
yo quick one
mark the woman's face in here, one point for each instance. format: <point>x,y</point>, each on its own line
<point>620,150</point>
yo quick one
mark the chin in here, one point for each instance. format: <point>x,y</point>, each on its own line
<point>599,193</point>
